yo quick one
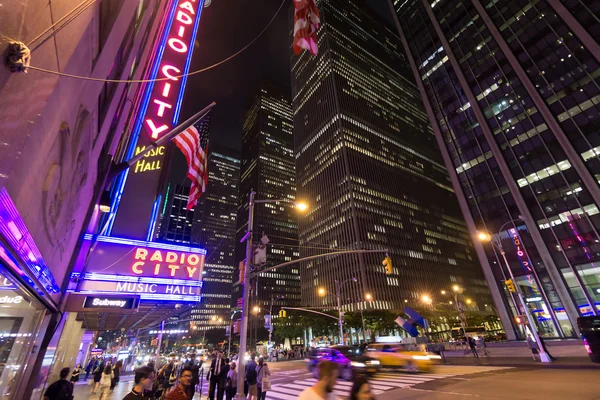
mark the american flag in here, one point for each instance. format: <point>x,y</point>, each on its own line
<point>306,24</point>
<point>193,143</point>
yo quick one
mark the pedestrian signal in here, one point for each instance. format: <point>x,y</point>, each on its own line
<point>510,285</point>
<point>520,319</point>
<point>387,263</point>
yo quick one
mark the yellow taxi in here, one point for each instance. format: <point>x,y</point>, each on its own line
<point>397,355</point>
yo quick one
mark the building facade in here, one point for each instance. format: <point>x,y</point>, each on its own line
<point>268,169</point>
<point>217,227</point>
<point>57,135</point>
<point>367,162</point>
<point>512,91</point>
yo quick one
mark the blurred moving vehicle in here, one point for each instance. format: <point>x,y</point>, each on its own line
<point>397,355</point>
<point>349,359</point>
<point>590,334</point>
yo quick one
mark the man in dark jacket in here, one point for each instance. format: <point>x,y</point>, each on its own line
<point>216,376</point>
<point>62,389</point>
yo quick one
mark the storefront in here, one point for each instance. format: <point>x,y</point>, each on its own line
<point>28,296</point>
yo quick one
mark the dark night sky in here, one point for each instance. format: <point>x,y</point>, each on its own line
<point>227,26</point>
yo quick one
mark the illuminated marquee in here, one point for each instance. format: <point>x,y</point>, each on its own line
<point>150,269</point>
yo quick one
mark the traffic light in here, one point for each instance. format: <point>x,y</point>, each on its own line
<point>282,314</point>
<point>387,263</point>
<point>242,268</point>
<point>510,286</point>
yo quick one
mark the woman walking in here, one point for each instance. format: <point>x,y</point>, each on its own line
<point>116,375</point>
<point>75,375</point>
<point>262,379</point>
<point>231,382</point>
<point>97,376</point>
<point>105,381</point>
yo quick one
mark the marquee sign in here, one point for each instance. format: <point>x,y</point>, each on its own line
<point>136,258</point>
<point>149,269</point>
<point>158,113</point>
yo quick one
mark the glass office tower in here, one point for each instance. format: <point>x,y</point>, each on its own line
<point>512,90</point>
<point>368,164</point>
<point>268,168</point>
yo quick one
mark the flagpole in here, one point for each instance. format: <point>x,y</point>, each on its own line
<point>170,135</point>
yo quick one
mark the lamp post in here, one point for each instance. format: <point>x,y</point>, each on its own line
<point>246,289</point>
<point>231,331</point>
<point>271,317</point>
<point>455,292</point>
<point>338,292</point>
<point>497,243</point>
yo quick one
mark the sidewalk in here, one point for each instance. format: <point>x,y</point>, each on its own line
<point>564,363</point>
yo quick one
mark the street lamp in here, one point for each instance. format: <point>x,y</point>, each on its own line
<point>338,291</point>
<point>456,291</point>
<point>426,299</point>
<point>231,331</point>
<point>246,289</point>
<point>271,317</point>
<point>485,236</point>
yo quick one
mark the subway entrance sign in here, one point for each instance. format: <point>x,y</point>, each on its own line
<point>154,271</point>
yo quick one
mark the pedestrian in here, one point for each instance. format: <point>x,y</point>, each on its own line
<point>168,376</point>
<point>263,380</point>
<point>323,389</point>
<point>483,346</point>
<point>472,346</point>
<point>142,380</point>
<point>105,381</point>
<point>217,374</point>
<point>116,375</point>
<point>97,376</point>
<point>89,369</point>
<point>195,368</point>
<point>76,373</point>
<point>62,389</point>
<point>231,382</point>
<point>361,390</point>
<point>180,392</point>
<point>250,388</point>
<point>532,346</point>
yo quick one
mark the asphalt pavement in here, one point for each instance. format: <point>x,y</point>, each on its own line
<point>446,382</point>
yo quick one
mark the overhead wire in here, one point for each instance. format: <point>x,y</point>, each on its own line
<point>77,11</point>
<point>89,78</point>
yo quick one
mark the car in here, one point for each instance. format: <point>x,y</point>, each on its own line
<point>400,356</point>
<point>349,359</point>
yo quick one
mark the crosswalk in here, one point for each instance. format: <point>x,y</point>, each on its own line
<point>379,383</point>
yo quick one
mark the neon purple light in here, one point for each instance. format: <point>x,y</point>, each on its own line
<point>17,236</point>
<point>141,243</point>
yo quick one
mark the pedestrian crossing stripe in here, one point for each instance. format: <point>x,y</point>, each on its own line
<point>379,383</point>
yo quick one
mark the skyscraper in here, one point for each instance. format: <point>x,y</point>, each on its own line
<point>513,93</point>
<point>211,224</point>
<point>268,168</point>
<point>217,226</point>
<point>367,163</point>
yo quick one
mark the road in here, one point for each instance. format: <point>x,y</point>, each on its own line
<point>448,382</point>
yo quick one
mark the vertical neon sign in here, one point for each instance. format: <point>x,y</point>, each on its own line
<point>138,188</point>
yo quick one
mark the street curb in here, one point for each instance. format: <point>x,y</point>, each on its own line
<point>534,366</point>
